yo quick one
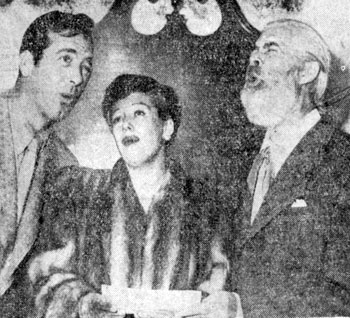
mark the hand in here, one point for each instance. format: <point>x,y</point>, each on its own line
<point>219,304</point>
<point>95,305</point>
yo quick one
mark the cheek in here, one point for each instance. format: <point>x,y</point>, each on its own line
<point>274,77</point>
<point>116,134</point>
<point>51,73</point>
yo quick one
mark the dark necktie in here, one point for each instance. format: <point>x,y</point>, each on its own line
<point>259,180</point>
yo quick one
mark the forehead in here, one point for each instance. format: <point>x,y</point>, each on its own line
<point>282,36</point>
<point>77,43</point>
<point>134,99</point>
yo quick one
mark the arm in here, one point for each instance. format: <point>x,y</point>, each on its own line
<point>216,303</point>
<point>54,272</point>
<point>337,259</point>
<point>331,295</point>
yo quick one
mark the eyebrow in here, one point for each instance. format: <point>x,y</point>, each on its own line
<point>142,103</point>
<point>73,51</point>
<point>68,50</point>
<point>133,104</point>
<point>267,45</point>
<point>271,43</point>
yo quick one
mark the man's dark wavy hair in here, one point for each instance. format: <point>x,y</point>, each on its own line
<point>36,38</point>
<point>163,97</point>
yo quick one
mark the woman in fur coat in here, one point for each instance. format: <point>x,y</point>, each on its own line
<point>145,225</point>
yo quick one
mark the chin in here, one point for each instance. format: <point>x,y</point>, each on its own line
<point>266,107</point>
<point>262,119</point>
<point>132,160</point>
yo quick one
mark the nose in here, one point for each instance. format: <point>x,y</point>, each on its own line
<point>76,76</point>
<point>126,123</point>
<point>255,59</point>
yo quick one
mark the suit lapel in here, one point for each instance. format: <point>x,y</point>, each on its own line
<point>27,229</point>
<point>8,186</point>
<point>291,181</point>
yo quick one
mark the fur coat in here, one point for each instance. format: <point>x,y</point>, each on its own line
<point>96,232</point>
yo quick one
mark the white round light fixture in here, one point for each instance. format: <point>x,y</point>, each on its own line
<point>149,16</point>
<point>202,17</point>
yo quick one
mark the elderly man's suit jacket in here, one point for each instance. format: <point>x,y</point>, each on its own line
<point>294,260</point>
<point>16,239</point>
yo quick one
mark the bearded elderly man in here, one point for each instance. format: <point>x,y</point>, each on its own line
<point>292,240</point>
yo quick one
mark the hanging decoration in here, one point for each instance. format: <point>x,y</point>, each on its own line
<point>149,16</point>
<point>202,17</point>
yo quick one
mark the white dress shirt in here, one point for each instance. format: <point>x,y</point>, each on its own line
<point>281,141</point>
<point>285,137</point>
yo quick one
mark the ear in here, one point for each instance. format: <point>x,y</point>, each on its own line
<point>26,63</point>
<point>168,129</point>
<point>309,72</point>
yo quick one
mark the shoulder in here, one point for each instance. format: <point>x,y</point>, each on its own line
<point>193,188</point>
<point>339,144</point>
<point>76,197</point>
<point>336,152</point>
<point>78,182</point>
<point>198,194</point>
<point>333,168</point>
<point>58,152</point>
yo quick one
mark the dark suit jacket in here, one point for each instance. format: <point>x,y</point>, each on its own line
<point>295,261</point>
<point>16,240</point>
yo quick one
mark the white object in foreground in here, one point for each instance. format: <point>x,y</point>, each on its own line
<point>154,302</point>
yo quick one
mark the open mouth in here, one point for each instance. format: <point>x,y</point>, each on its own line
<point>68,97</point>
<point>253,81</point>
<point>129,140</point>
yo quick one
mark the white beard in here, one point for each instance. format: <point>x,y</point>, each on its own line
<point>269,105</point>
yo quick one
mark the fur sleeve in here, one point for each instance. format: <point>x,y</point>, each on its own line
<point>214,264</point>
<point>56,282</point>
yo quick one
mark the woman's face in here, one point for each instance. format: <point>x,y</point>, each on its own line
<point>138,131</point>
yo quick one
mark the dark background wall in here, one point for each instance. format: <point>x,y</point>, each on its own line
<point>207,72</point>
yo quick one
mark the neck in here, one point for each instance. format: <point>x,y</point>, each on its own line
<point>298,111</point>
<point>292,125</point>
<point>148,180</point>
<point>149,175</point>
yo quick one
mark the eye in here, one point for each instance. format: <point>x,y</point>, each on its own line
<point>116,120</point>
<point>66,60</point>
<point>139,113</point>
<point>272,49</point>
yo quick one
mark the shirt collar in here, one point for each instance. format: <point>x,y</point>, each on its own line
<point>285,137</point>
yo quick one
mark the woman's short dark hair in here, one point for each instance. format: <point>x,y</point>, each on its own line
<point>163,97</point>
<point>36,38</point>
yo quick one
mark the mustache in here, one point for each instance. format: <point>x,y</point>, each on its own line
<point>253,70</point>
<point>253,77</point>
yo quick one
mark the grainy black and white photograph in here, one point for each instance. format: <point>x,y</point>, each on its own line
<point>174,158</point>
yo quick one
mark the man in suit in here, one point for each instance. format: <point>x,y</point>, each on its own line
<point>55,66</point>
<point>291,238</point>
